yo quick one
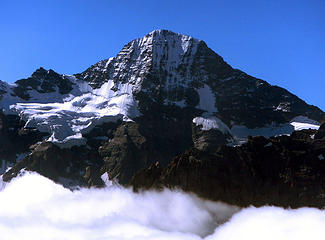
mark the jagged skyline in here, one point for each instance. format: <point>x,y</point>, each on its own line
<point>277,42</point>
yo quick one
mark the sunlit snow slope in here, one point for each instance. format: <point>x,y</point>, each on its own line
<point>77,112</point>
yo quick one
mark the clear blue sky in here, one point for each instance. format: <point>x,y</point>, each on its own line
<point>280,41</point>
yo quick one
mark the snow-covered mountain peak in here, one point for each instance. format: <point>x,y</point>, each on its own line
<point>162,70</point>
<point>162,67</point>
<point>170,50</point>
<point>167,35</point>
<point>160,52</point>
<point>163,38</point>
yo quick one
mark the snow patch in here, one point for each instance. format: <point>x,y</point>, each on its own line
<point>106,180</point>
<point>298,123</point>
<point>283,106</point>
<point>304,119</point>
<point>207,99</point>
<point>303,122</point>
<point>66,121</point>
<point>240,132</point>
<point>208,123</point>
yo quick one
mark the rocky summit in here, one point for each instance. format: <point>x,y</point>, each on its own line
<point>166,111</point>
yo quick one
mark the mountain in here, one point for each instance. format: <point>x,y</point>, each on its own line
<point>161,95</point>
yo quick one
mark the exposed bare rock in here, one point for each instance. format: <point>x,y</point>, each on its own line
<point>284,171</point>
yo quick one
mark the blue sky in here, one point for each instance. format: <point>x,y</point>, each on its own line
<point>280,41</point>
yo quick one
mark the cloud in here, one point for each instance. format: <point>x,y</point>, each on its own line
<point>34,207</point>
<point>273,223</point>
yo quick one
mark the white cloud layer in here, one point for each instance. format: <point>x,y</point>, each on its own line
<point>33,207</point>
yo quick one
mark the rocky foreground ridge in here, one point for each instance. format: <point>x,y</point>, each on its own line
<point>166,111</point>
<point>285,171</point>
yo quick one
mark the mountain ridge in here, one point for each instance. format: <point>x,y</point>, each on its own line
<point>164,67</point>
<point>161,95</point>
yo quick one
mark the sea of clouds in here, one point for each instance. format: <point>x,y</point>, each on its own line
<point>33,207</point>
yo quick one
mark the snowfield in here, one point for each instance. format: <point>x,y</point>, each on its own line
<point>67,117</point>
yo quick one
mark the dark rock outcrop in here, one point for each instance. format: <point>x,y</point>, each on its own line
<point>66,166</point>
<point>321,132</point>
<point>14,138</point>
<point>209,140</point>
<point>285,171</point>
<point>92,177</point>
<point>156,136</point>
<point>42,81</point>
<point>125,153</point>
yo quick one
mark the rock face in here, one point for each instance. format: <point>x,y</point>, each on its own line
<point>66,166</point>
<point>286,171</point>
<point>125,153</point>
<point>208,141</point>
<point>42,81</point>
<point>15,140</point>
<point>321,132</point>
<point>161,95</point>
<point>154,137</point>
<point>210,133</point>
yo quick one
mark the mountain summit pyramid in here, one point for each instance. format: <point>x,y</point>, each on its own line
<point>161,94</point>
<point>170,68</point>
